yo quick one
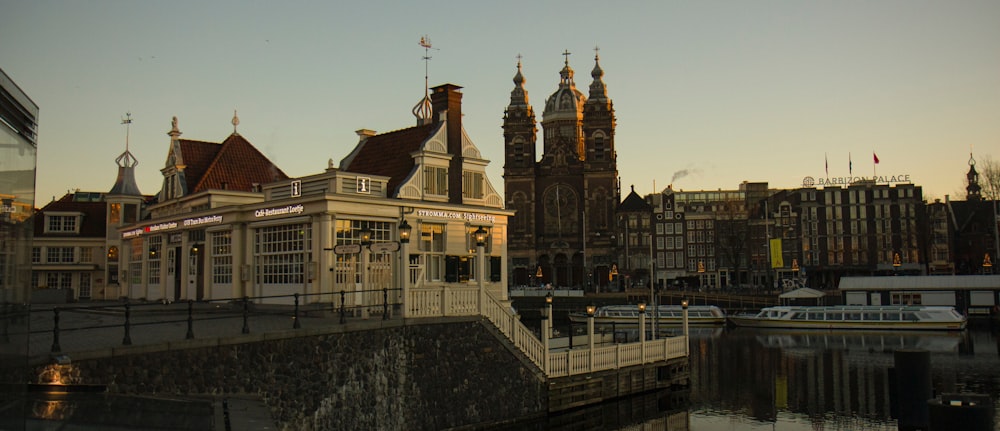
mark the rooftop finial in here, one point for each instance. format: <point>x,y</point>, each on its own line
<point>126,159</point>
<point>423,110</point>
<point>236,122</point>
<point>566,54</point>
<point>127,121</point>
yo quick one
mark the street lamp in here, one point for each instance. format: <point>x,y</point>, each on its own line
<point>642,332</point>
<point>366,236</point>
<point>896,263</point>
<point>404,263</point>
<point>684,323</point>
<point>547,333</point>
<point>480,235</point>
<point>590,333</point>
<point>404,232</point>
<point>987,264</point>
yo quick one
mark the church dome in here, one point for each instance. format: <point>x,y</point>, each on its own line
<point>567,99</point>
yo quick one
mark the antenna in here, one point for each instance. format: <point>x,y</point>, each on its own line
<point>127,121</point>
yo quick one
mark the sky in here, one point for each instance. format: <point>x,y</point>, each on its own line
<point>708,94</point>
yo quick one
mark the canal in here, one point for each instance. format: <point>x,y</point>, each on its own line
<point>751,379</point>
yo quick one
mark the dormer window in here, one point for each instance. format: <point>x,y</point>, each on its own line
<point>435,180</point>
<point>62,223</point>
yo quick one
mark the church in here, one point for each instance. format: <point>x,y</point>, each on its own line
<point>565,201</point>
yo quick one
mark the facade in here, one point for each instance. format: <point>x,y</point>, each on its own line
<point>563,230</point>
<point>220,233</point>
<point>18,150</point>
<point>973,228</point>
<point>634,241</point>
<point>76,247</point>
<point>765,239</point>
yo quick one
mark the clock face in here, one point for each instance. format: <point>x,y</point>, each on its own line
<point>560,201</point>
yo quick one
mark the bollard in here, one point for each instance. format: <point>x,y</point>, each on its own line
<point>127,339</point>
<point>190,333</point>
<point>342,317</point>
<point>246,314</point>
<point>385,303</point>
<point>295,318</point>
<point>912,370</point>
<point>55,331</point>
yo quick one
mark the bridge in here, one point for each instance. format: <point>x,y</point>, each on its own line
<point>439,338</point>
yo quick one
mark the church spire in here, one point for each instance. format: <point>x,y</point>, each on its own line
<point>598,91</point>
<point>519,95</point>
<point>125,183</point>
<point>972,177</point>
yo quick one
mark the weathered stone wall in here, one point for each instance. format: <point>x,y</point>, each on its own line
<point>403,378</point>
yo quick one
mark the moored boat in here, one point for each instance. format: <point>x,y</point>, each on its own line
<point>875,317</point>
<point>664,314</point>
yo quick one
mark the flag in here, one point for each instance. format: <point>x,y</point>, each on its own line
<point>850,165</point>
<point>826,163</point>
<point>875,156</point>
<point>775,249</point>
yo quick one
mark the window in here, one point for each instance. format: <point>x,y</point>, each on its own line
<point>36,255</point>
<point>598,148</point>
<point>58,223</point>
<point>59,255</point>
<point>435,180</point>
<point>155,251</point>
<point>472,185</point>
<point>281,253</point>
<point>222,257</point>
<point>115,213</point>
<point>86,254</point>
<point>135,261</point>
<point>59,280</point>
<point>85,285</point>
<point>431,245</point>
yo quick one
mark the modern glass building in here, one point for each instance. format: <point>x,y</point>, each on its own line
<point>18,151</point>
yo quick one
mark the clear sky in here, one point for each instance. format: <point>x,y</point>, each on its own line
<point>707,93</point>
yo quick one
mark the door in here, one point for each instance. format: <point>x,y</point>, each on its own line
<point>173,271</point>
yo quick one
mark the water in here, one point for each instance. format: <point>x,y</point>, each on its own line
<point>749,379</point>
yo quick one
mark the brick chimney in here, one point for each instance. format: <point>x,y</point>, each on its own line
<point>446,99</point>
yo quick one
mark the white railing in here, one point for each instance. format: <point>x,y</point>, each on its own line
<point>464,301</point>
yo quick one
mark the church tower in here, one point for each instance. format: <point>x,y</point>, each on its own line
<point>973,190</point>
<point>564,201</point>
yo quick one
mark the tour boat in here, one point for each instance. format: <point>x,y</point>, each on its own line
<point>883,317</point>
<point>664,314</point>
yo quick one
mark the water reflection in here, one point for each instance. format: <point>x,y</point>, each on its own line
<point>757,379</point>
<point>804,380</point>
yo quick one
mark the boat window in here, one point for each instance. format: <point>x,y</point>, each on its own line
<point>835,316</point>
<point>872,316</point>
<point>890,316</point>
<point>798,316</point>
<point>815,316</point>
<point>852,316</point>
<point>909,316</point>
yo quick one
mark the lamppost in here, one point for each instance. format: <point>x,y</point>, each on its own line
<point>480,235</point>
<point>366,242</point>
<point>684,323</point>
<point>642,331</point>
<point>404,263</point>
<point>590,333</point>
<point>896,263</point>
<point>547,333</point>
<point>987,264</point>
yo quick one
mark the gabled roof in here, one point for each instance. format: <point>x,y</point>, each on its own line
<point>94,223</point>
<point>634,203</point>
<point>235,164</point>
<point>388,154</point>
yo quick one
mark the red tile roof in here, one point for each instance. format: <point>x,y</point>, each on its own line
<point>388,154</point>
<point>235,164</point>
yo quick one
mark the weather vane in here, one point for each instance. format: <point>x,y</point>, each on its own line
<point>127,121</point>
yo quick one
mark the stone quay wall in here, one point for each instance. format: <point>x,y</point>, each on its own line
<point>412,377</point>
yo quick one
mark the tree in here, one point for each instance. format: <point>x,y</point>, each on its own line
<point>989,178</point>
